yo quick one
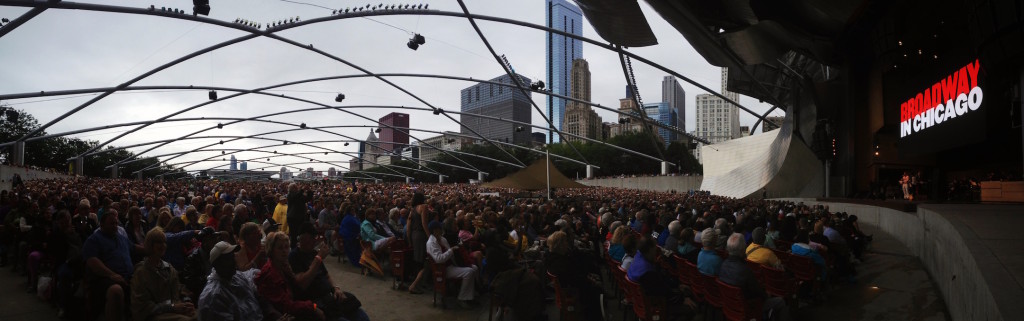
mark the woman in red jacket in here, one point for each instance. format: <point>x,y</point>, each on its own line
<point>276,277</point>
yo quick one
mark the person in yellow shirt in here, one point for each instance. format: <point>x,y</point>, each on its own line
<point>281,213</point>
<point>757,252</point>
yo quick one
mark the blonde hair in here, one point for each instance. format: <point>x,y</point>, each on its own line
<point>273,240</point>
<point>619,234</point>
<point>154,235</point>
<point>558,242</point>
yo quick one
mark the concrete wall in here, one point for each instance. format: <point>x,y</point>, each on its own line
<point>7,172</point>
<point>649,183</point>
<point>945,253</point>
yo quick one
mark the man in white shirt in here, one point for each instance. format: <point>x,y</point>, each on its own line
<point>441,252</point>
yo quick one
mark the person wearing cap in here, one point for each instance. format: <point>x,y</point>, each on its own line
<point>281,213</point>
<point>757,252</point>
<point>155,289</point>
<point>441,252</point>
<point>229,294</point>
<point>197,264</point>
<point>316,284</point>
<point>275,280</point>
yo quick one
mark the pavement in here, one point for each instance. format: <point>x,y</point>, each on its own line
<point>891,285</point>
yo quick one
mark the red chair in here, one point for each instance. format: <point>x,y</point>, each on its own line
<point>696,281</point>
<point>646,308</point>
<point>399,252</point>
<point>756,269</point>
<point>619,275</point>
<point>681,273</point>
<point>340,245</point>
<point>711,294</point>
<point>783,245</point>
<point>440,278</point>
<point>735,306</point>
<point>802,267</point>
<point>565,300</point>
<point>778,283</point>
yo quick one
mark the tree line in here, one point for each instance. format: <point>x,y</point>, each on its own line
<point>53,153</point>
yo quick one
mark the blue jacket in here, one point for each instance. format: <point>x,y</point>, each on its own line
<point>708,262</point>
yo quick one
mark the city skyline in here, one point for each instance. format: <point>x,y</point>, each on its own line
<point>450,49</point>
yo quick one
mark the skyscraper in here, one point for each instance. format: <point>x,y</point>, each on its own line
<point>717,120</point>
<point>673,94</point>
<point>665,115</point>
<point>501,101</point>
<point>580,119</point>
<point>233,164</point>
<point>369,150</point>
<point>390,138</point>
<point>561,51</point>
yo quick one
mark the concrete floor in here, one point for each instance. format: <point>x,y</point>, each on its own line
<point>891,286</point>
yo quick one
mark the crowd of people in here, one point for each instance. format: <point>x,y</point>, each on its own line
<point>255,250</point>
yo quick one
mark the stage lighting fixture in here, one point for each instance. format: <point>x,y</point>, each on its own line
<point>222,152</point>
<point>213,95</point>
<point>220,126</point>
<point>437,111</point>
<point>419,39</point>
<point>302,125</point>
<point>201,7</point>
<point>268,159</point>
<point>339,98</point>
<point>222,142</point>
<point>519,129</point>
<point>325,153</point>
<point>412,45</point>
<point>286,142</point>
<point>152,8</point>
<point>334,12</point>
<point>346,144</point>
<point>377,130</point>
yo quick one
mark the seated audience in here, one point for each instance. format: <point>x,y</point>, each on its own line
<point>441,252</point>
<point>736,272</point>
<point>156,293</point>
<point>229,294</point>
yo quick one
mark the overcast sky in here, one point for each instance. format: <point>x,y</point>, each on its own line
<point>69,49</point>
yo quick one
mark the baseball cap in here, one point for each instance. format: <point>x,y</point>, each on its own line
<point>222,248</point>
<point>434,225</point>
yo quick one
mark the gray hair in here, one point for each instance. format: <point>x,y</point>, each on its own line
<point>709,237</point>
<point>736,245</point>
<point>240,208</point>
<point>674,227</point>
<point>614,226</point>
<point>606,218</point>
<point>719,223</point>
